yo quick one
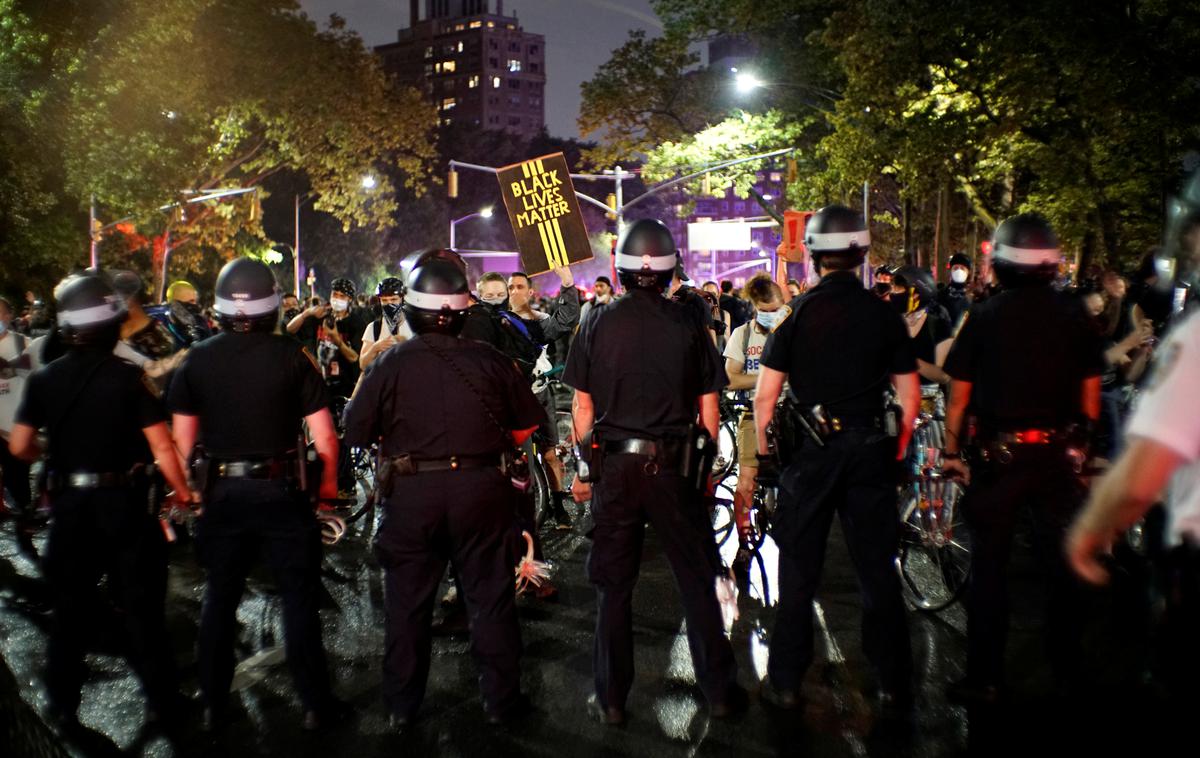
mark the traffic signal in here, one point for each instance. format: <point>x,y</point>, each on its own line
<point>611,202</point>
<point>452,184</point>
<point>985,247</point>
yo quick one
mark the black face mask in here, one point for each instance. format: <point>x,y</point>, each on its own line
<point>290,314</point>
<point>899,301</point>
<point>391,314</point>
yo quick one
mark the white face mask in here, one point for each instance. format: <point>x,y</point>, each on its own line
<point>495,300</point>
<point>959,275</point>
<point>339,304</point>
<point>769,319</point>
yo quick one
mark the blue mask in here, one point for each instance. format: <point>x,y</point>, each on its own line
<point>769,319</point>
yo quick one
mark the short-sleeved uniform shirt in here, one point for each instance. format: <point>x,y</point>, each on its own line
<point>94,407</point>
<point>415,401</point>
<point>840,347</point>
<point>1027,352</point>
<point>1169,414</point>
<point>250,392</point>
<point>645,362</point>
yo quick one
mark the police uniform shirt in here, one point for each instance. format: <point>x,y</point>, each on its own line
<point>645,361</point>
<point>250,392</point>
<point>840,347</point>
<point>420,404</point>
<point>1168,414</point>
<point>1026,351</point>
<point>95,407</point>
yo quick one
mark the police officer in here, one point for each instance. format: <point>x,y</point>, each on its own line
<point>839,349</point>
<point>447,496</point>
<point>106,427</point>
<point>1027,367</point>
<point>643,368</point>
<point>243,394</point>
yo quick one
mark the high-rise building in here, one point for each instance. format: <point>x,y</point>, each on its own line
<point>478,66</point>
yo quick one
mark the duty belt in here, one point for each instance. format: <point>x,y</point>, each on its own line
<point>90,480</point>
<point>273,468</point>
<point>661,453</point>
<point>846,423</point>
<point>453,463</point>
<point>651,448</point>
<point>1030,437</point>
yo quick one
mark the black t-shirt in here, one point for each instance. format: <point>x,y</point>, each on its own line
<point>94,406</point>
<point>1027,352</point>
<point>340,372</point>
<point>934,332</point>
<point>645,362</point>
<point>250,392</point>
<point>840,347</point>
<point>420,404</point>
<point>739,310</point>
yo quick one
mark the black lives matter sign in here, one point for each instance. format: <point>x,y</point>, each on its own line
<point>545,213</point>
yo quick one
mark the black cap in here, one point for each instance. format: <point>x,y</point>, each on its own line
<point>959,259</point>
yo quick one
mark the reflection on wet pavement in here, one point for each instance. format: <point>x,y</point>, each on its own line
<point>667,715</point>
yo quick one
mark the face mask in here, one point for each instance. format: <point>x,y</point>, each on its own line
<point>768,319</point>
<point>495,302</point>
<point>290,314</point>
<point>959,275</point>
<point>603,298</point>
<point>338,304</point>
<point>899,301</point>
<point>391,314</point>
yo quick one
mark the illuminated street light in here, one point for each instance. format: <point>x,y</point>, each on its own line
<point>481,213</point>
<point>368,182</point>
<point>746,82</point>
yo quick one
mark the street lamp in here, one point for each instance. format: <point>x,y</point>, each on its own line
<point>746,82</point>
<point>482,213</point>
<point>368,182</point>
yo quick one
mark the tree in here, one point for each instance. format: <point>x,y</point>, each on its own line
<point>137,101</point>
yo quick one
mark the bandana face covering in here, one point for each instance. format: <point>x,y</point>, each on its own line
<point>391,314</point>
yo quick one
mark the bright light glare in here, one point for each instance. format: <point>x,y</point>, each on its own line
<point>486,212</point>
<point>368,182</point>
<point>746,81</point>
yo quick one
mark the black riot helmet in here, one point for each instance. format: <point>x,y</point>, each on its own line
<point>919,289</point>
<point>247,298</point>
<point>416,258</point>
<point>90,310</point>
<point>390,286</point>
<point>438,295</point>
<point>837,237</point>
<point>1025,251</point>
<point>646,256</point>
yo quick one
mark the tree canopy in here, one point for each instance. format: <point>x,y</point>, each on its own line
<point>958,113</point>
<point>143,104</point>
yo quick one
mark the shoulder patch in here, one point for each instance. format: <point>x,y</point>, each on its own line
<point>308,354</point>
<point>150,386</point>
<point>787,313</point>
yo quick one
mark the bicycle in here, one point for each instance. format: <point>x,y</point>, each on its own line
<point>934,559</point>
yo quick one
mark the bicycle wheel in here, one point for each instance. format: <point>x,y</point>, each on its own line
<point>722,516</point>
<point>727,451</point>
<point>540,486</point>
<point>934,559</point>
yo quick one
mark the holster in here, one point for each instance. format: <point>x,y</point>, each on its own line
<point>514,464</point>
<point>697,457</point>
<point>200,469</point>
<point>385,475</point>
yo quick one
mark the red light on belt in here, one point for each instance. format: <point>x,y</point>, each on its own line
<point>1032,437</point>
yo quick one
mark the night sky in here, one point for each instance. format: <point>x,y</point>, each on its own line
<point>580,35</point>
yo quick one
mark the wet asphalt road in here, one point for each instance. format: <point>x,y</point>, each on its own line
<point>668,716</point>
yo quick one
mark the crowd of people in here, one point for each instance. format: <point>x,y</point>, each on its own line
<point>244,416</point>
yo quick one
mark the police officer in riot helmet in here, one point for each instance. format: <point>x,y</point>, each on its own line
<point>243,394</point>
<point>842,351</point>
<point>1027,367</point>
<point>647,378</point>
<point>106,429</point>
<point>446,489</point>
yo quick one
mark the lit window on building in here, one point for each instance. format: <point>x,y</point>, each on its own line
<point>514,65</point>
<point>476,24</point>
<point>511,27</point>
<point>449,103</point>
<point>429,52</point>
<point>460,46</point>
<point>458,27</point>
<point>776,176</point>
<point>492,25</point>
<point>495,82</point>
<point>449,67</point>
<point>473,82</point>
<point>446,121</point>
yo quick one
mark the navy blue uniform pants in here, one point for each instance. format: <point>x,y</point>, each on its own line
<point>854,475</point>
<point>242,520</point>
<point>465,517</point>
<point>624,499</point>
<point>1041,479</point>
<point>107,532</point>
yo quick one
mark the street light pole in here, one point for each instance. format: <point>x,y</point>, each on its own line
<point>483,213</point>
<point>296,252</point>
